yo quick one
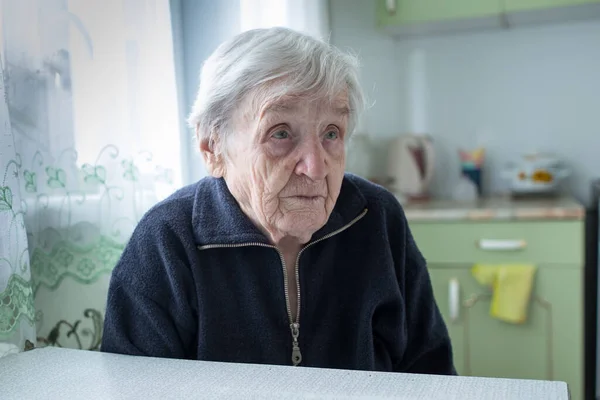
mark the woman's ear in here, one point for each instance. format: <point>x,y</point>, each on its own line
<point>213,159</point>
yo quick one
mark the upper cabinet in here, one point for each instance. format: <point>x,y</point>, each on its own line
<point>416,11</point>
<point>530,5</point>
<point>414,17</point>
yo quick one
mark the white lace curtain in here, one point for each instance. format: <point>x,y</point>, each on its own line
<point>89,140</point>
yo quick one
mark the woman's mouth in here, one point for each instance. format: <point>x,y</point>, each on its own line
<point>307,199</point>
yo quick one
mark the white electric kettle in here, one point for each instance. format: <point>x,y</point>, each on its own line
<point>410,166</point>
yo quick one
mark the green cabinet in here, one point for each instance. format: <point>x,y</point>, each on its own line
<point>525,5</point>
<point>414,16</point>
<point>412,11</point>
<point>549,344</point>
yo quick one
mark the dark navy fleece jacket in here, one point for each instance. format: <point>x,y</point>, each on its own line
<point>194,282</point>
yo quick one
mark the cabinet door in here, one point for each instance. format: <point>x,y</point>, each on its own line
<point>523,5</point>
<point>545,242</point>
<point>548,346</point>
<point>410,11</point>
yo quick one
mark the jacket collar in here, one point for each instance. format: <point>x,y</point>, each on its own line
<point>217,218</point>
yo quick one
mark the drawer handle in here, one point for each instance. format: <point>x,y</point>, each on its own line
<point>501,245</point>
<point>453,299</point>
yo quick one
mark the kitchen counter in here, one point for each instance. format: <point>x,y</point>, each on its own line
<point>496,208</point>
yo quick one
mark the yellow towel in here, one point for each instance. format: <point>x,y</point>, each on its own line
<point>511,285</point>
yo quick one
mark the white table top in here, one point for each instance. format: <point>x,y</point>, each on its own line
<point>53,373</point>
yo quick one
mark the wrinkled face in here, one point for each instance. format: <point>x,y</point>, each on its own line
<point>285,163</point>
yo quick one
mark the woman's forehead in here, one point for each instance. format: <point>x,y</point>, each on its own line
<point>264,101</point>
<point>337,104</point>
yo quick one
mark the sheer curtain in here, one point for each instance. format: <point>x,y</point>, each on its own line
<point>17,312</point>
<point>89,141</point>
<point>308,16</point>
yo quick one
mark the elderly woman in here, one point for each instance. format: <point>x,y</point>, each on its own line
<point>279,257</point>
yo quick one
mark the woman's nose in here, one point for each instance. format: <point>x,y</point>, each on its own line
<point>312,161</point>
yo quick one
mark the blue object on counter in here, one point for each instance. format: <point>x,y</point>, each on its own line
<point>474,174</point>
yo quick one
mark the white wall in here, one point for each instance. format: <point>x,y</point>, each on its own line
<point>512,91</point>
<point>352,26</point>
<point>201,26</point>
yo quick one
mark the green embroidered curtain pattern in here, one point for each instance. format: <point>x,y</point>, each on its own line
<point>89,141</point>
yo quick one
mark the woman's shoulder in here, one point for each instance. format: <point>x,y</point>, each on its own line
<point>375,195</point>
<point>173,207</point>
<point>175,212</point>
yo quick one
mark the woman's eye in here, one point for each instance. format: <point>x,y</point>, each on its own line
<point>331,135</point>
<point>281,135</point>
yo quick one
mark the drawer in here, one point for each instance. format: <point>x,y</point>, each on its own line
<point>547,242</point>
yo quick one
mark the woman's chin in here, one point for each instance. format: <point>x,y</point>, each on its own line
<point>302,225</point>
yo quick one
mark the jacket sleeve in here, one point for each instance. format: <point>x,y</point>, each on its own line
<point>428,348</point>
<point>149,310</point>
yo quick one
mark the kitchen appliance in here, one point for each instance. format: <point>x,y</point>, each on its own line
<point>410,166</point>
<point>536,173</point>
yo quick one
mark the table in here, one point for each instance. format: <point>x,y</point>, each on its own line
<point>55,373</point>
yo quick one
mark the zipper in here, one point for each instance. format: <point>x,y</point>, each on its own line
<point>294,325</point>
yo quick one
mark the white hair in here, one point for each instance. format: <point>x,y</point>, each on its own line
<point>254,60</point>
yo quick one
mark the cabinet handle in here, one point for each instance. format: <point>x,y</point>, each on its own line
<point>501,245</point>
<point>453,299</point>
<point>391,5</point>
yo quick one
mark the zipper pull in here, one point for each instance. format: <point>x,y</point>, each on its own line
<point>296,354</point>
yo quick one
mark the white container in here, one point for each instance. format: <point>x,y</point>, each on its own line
<point>535,173</point>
